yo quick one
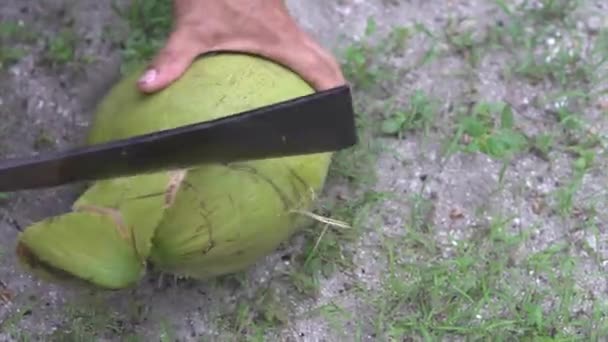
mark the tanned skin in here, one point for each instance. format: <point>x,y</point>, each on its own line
<point>261,27</point>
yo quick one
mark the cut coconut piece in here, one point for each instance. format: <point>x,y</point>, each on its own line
<point>140,202</point>
<point>85,245</point>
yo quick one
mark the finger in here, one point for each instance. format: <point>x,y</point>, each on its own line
<point>322,75</point>
<point>305,56</point>
<point>316,67</point>
<point>319,67</point>
<point>170,62</point>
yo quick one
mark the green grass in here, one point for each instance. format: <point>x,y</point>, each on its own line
<point>14,39</point>
<point>149,24</point>
<point>480,291</point>
<point>61,47</point>
<point>17,40</point>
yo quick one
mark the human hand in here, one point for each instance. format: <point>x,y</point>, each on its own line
<point>261,27</point>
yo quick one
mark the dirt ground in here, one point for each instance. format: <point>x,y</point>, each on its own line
<point>449,245</point>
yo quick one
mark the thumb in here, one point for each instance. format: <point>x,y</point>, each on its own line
<point>170,62</point>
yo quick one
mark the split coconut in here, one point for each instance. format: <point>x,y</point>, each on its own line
<point>202,222</point>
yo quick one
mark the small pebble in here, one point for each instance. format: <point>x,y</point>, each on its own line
<point>594,24</point>
<point>592,242</point>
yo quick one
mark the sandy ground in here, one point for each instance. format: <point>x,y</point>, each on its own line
<point>38,99</point>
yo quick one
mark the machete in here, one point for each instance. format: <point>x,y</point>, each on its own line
<point>321,122</point>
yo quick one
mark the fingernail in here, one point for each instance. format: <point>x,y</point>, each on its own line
<point>148,77</point>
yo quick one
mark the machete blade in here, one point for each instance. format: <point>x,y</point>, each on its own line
<point>320,122</point>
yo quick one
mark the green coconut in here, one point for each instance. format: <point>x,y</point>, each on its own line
<point>206,221</point>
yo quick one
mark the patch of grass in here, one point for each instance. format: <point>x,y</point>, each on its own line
<point>488,128</point>
<point>484,287</point>
<point>543,35</point>
<point>167,333</point>
<point>149,22</point>
<point>548,48</point>
<point>418,115</point>
<point>14,37</point>
<point>255,317</point>
<point>465,40</point>
<point>10,56</point>
<point>364,61</point>
<point>16,32</point>
<point>61,48</point>
<point>81,322</point>
<point>43,140</point>
<point>89,322</point>
<point>10,324</point>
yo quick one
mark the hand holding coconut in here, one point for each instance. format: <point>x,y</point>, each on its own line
<point>261,27</point>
